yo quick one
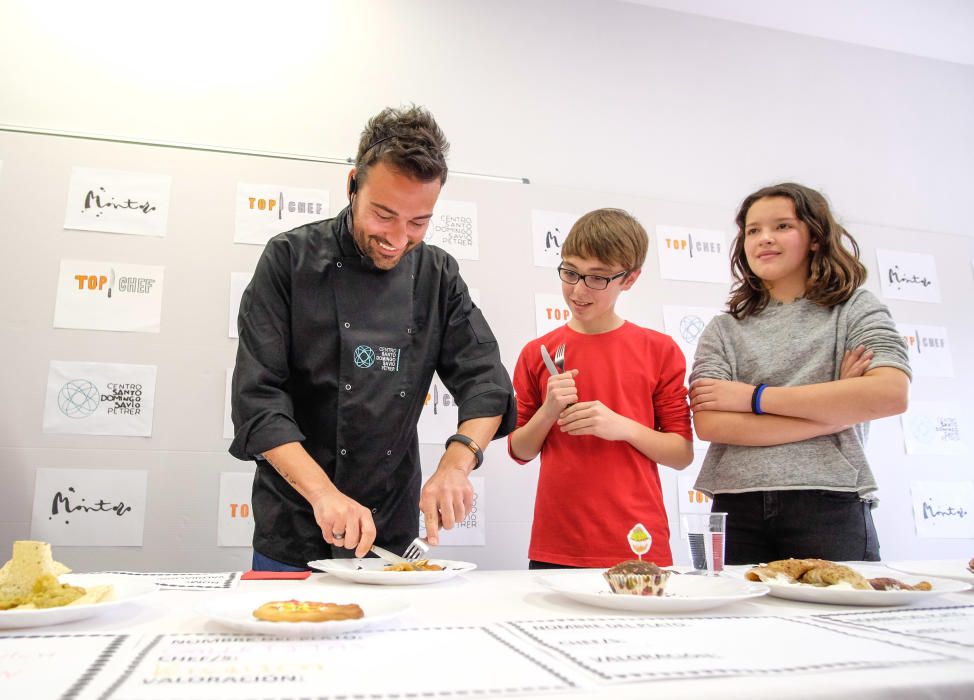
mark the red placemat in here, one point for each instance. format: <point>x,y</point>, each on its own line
<point>266,575</point>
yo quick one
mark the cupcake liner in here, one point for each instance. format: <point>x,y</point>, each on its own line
<point>638,584</point>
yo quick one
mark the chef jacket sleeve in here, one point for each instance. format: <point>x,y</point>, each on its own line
<point>469,360</point>
<point>261,408</point>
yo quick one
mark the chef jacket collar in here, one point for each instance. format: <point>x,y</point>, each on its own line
<point>346,239</point>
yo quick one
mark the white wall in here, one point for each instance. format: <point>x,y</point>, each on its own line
<point>582,97</point>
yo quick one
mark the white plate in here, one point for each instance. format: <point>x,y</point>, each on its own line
<point>124,590</point>
<point>944,569</point>
<point>829,595</point>
<point>684,593</point>
<point>373,571</point>
<point>236,612</point>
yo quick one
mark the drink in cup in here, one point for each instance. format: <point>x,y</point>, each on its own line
<point>705,534</point>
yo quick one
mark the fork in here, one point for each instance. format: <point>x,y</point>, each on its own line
<point>416,550</point>
<point>560,358</point>
<point>560,362</point>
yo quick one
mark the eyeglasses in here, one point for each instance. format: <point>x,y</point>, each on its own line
<point>591,281</point>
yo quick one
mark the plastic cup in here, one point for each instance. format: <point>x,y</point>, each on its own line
<point>705,535</point>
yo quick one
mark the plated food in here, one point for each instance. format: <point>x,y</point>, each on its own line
<point>419,565</point>
<point>306,611</point>
<point>274,613</point>
<point>374,571</point>
<point>684,593</point>
<point>29,581</point>
<point>822,581</point>
<point>822,573</point>
<point>637,577</point>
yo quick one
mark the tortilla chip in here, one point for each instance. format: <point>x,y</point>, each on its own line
<point>31,561</point>
<point>94,594</point>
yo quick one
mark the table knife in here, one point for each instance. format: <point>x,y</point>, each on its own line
<point>548,362</point>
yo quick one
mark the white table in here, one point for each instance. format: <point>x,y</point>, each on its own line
<point>488,597</point>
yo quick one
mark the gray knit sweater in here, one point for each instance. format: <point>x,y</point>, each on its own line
<point>792,345</point>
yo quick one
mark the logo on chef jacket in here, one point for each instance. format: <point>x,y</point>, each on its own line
<point>364,357</point>
<point>278,205</point>
<point>386,359</point>
<point>696,244</point>
<point>110,283</point>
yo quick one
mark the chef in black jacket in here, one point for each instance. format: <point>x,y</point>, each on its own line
<point>341,329</point>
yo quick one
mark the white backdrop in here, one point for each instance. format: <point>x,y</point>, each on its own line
<point>600,104</point>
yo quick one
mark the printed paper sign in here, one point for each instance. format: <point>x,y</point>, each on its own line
<point>550,312</point>
<point>953,625</point>
<point>685,324</point>
<point>186,581</point>
<point>263,211</point>
<point>114,201</point>
<point>909,276</point>
<point>235,522</point>
<point>53,665</point>
<point>472,530</point>
<point>89,507</point>
<point>439,417</point>
<point>548,231</point>
<point>689,499</point>
<point>238,284</point>
<point>627,649</point>
<point>108,296</point>
<point>221,666</point>
<point>943,508</point>
<point>929,350</point>
<point>454,229</point>
<point>933,428</point>
<point>228,431</point>
<point>696,255</point>
<point>93,398</point>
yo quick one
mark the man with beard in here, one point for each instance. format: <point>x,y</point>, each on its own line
<point>341,330</point>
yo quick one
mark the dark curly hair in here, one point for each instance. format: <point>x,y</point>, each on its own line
<point>407,139</point>
<point>835,272</point>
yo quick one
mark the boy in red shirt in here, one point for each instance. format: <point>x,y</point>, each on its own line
<point>601,426</point>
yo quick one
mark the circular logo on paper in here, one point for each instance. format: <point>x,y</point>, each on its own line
<point>364,357</point>
<point>78,398</point>
<point>690,328</point>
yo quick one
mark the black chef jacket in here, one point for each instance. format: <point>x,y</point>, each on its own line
<point>338,355</point>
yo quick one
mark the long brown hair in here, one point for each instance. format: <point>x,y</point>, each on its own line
<point>835,272</point>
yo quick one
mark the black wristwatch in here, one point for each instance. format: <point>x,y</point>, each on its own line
<point>471,445</point>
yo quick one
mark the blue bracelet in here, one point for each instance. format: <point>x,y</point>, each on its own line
<point>756,399</point>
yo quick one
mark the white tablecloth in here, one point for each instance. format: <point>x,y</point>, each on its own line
<point>487,598</point>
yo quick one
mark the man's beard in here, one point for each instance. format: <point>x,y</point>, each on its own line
<point>368,246</point>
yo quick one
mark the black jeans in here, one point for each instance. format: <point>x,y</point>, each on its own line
<point>764,526</point>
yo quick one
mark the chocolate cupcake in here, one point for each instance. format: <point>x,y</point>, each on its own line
<point>637,577</point>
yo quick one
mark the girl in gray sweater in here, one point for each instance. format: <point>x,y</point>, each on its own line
<point>784,384</point>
